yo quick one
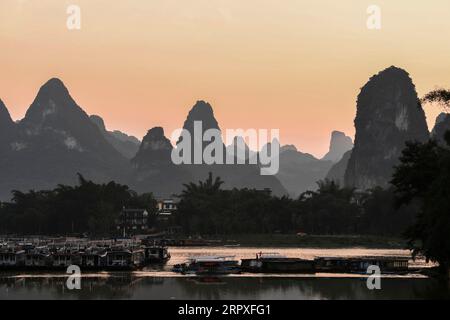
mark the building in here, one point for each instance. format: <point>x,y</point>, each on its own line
<point>166,207</point>
<point>132,221</point>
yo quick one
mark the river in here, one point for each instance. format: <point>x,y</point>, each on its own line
<point>161,283</point>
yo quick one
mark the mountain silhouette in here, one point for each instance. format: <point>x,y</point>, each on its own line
<point>55,141</point>
<point>337,171</point>
<point>154,170</point>
<point>299,172</point>
<point>235,175</point>
<point>389,113</point>
<point>442,125</point>
<point>339,145</point>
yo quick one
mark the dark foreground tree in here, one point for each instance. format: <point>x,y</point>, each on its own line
<point>424,175</point>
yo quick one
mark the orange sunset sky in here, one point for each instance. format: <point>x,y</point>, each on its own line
<point>288,64</point>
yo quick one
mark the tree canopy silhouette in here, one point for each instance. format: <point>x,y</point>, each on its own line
<point>85,208</point>
<point>423,175</point>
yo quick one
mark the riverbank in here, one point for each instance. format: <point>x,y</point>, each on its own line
<point>248,240</point>
<point>314,241</point>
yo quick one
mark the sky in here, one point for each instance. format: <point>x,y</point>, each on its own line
<point>292,65</point>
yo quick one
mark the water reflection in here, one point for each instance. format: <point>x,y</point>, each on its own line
<point>128,286</point>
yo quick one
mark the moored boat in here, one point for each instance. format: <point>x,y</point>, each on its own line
<point>101,255</point>
<point>387,264</point>
<point>156,254</point>
<point>125,259</point>
<point>11,258</point>
<point>276,263</point>
<point>38,258</point>
<point>209,265</point>
<point>93,259</point>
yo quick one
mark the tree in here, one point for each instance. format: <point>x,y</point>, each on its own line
<point>329,210</point>
<point>424,175</point>
<point>441,96</point>
<point>86,207</point>
<point>205,208</point>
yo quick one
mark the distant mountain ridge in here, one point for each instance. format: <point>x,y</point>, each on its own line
<point>337,171</point>
<point>299,172</point>
<point>234,175</point>
<point>125,144</point>
<point>153,167</point>
<point>339,145</point>
<point>57,139</point>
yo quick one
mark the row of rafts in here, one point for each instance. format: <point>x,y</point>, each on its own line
<point>277,263</point>
<point>135,257</point>
<point>107,257</point>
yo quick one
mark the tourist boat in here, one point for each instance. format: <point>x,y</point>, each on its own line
<point>63,259</point>
<point>38,258</point>
<point>11,258</point>
<point>125,259</point>
<point>209,265</point>
<point>156,254</point>
<point>93,258</point>
<point>86,255</point>
<point>277,263</point>
<point>361,264</point>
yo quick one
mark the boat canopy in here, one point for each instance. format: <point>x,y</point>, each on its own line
<point>210,258</point>
<point>270,255</point>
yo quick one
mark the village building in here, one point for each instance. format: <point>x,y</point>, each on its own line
<point>132,221</point>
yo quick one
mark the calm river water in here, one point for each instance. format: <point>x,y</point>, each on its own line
<point>161,283</point>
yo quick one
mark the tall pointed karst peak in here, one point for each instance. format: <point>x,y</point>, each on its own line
<point>202,107</point>
<point>392,78</point>
<point>52,99</point>
<point>156,133</point>
<point>393,70</point>
<point>199,120</point>
<point>155,140</point>
<point>53,89</point>
<point>393,73</point>
<point>201,111</point>
<point>155,149</point>
<point>54,84</point>
<point>388,114</point>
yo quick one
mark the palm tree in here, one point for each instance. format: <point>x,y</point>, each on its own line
<point>210,186</point>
